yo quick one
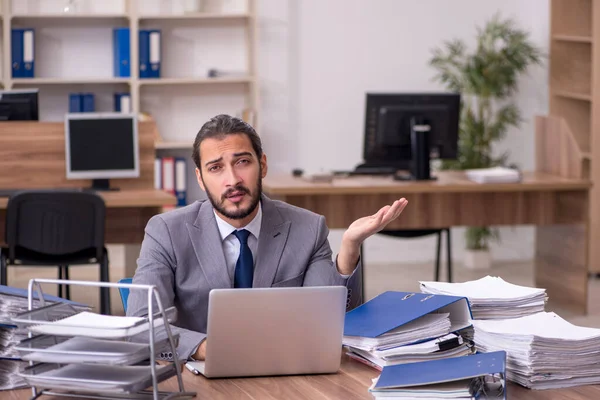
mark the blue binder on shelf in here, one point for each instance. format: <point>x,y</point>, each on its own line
<point>81,102</point>
<point>181,181</point>
<point>150,53</point>
<point>122,102</point>
<point>391,310</point>
<point>75,103</point>
<point>121,53</point>
<point>23,53</point>
<point>482,373</point>
<point>88,102</point>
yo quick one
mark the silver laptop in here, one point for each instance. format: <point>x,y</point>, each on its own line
<point>273,331</point>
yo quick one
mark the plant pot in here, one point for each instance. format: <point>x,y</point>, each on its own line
<point>478,259</point>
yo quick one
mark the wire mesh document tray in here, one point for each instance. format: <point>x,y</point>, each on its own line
<point>63,319</point>
<point>80,354</point>
<point>94,378</point>
<point>63,349</point>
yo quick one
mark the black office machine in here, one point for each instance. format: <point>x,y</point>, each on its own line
<point>404,131</point>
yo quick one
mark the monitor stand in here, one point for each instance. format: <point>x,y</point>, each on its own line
<point>101,185</point>
<point>420,166</point>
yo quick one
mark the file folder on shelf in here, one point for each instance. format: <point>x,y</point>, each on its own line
<point>150,53</point>
<point>123,102</point>
<point>476,375</point>
<point>121,53</point>
<point>23,53</point>
<point>88,102</point>
<point>154,54</point>
<point>391,310</point>
<point>75,103</point>
<point>180,181</point>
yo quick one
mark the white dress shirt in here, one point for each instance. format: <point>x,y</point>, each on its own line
<point>231,244</point>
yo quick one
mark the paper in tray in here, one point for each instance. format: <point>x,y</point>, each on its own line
<point>54,349</point>
<point>65,322</point>
<point>94,377</point>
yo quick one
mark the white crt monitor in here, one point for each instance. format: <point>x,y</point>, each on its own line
<point>101,146</point>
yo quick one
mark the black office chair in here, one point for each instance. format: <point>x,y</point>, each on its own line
<point>56,228</point>
<point>414,233</point>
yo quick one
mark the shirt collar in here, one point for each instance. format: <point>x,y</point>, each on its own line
<point>226,229</point>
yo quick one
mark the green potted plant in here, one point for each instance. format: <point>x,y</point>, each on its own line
<point>487,79</point>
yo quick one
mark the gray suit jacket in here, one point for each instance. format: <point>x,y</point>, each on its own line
<point>182,255</point>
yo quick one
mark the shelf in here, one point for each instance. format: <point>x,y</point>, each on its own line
<point>68,81</point>
<point>173,145</point>
<point>571,67</point>
<point>571,17</point>
<point>51,17</point>
<point>196,16</point>
<point>572,95</point>
<point>572,38</point>
<point>194,81</point>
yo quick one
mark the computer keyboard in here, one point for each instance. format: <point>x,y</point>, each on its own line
<point>369,170</point>
<point>373,171</point>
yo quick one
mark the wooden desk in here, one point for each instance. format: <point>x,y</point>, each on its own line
<point>350,383</point>
<point>127,212</point>
<point>32,156</point>
<point>557,206</point>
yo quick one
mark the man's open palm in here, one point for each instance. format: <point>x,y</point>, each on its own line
<point>364,227</point>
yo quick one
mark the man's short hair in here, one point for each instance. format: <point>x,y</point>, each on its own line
<point>221,126</point>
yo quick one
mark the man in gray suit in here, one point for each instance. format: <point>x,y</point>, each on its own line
<point>240,237</point>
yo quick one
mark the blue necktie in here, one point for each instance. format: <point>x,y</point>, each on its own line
<point>244,268</point>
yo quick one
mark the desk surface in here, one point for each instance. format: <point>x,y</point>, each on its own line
<point>350,383</point>
<point>128,198</point>
<point>448,182</point>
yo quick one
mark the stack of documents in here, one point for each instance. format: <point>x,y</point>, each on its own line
<point>492,297</point>
<point>14,301</point>
<point>399,327</point>
<point>493,175</point>
<point>447,346</point>
<point>476,376</point>
<point>544,351</point>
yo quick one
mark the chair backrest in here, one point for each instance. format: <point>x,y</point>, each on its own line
<point>124,292</point>
<point>55,222</point>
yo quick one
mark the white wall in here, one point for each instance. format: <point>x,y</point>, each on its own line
<point>340,49</point>
<point>316,60</point>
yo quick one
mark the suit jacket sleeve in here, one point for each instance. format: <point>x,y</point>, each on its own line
<point>322,271</point>
<point>156,266</point>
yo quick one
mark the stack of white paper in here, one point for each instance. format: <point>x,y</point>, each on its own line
<point>445,390</point>
<point>492,297</point>
<point>447,346</point>
<point>96,325</point>
<point>427,326</point>
<point>543,350</point>
<point>493,175</point>
<point>407,344</point>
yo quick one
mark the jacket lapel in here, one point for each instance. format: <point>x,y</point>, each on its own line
<point>273,236</point>
<point>208,247</point>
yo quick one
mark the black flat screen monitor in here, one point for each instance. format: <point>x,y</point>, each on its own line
<point>101,146</point>
<point>401,127</point>
<point>19,105</point>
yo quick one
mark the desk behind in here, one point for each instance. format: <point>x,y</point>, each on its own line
<point>557,206</point>
<point>32,156</point>
<point>127,212</point>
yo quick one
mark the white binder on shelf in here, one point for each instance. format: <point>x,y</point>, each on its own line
<point>181,181</point>
<point>158,173</point>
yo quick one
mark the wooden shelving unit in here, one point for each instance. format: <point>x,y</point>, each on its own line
<point>575,93</point>
<point>133,17</point>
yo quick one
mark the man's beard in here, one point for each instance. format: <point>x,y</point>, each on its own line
<point>239,213</point>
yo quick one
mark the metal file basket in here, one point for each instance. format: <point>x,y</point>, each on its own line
<point>107,362</point>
